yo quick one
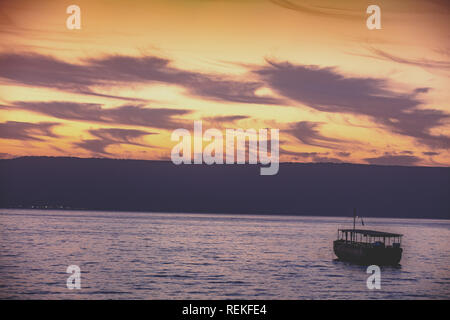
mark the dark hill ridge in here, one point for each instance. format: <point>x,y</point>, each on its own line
<point>298,188</point>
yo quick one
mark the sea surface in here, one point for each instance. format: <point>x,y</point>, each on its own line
<point>129,255</point>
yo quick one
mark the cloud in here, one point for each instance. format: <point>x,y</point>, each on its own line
<point>422,62</point>
<point>343,154</point>
<point>136,115</point>
<point>430,153</point>
<point>111,136</point>
<point>322,11</point>
<point>307,133</point>
<point>283,151</point>
<point>118,70</point>
<point>4,155</point>
<point>396,160</point>
<point>422,90</point>
<point>322,88</point>
<point>327,90</point>
<point>313,156</point>
<point>155,69</point>
<point>95,146</point>
<point>27,131</point>
<point>44,71</point>
<point>327,160</point>
<point>223,120</point>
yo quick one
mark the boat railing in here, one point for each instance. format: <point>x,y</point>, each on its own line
<point>370,237</point>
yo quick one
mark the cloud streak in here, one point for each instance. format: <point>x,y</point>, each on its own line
<point>111,136</point>
<point>117,70</point>
<point>321,11</point>
<point>136,115</point>
<point>396,160</point>
<point>26,131</point>
<point>307,132</point>
<point>327,90</point>
<point>322,157</point>
<point>441,65</point>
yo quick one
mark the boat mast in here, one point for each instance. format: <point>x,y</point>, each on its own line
<point>354,222</point>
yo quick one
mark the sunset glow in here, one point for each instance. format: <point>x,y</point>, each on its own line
<point>138,70</point>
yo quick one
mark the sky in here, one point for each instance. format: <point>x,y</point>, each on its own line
<point>137,70</point>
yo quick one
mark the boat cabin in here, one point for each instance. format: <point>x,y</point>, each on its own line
<point>370,237</point>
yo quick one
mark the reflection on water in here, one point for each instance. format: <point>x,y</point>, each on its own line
<point>198,256</point>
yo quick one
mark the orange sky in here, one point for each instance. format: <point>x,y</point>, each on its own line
<point>137,70</point>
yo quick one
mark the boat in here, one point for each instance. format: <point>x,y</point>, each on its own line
<point>368,247</point>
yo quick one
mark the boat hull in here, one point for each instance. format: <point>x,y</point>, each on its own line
<point>367,255</point>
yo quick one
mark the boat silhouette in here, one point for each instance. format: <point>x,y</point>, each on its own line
<point>368,247</point>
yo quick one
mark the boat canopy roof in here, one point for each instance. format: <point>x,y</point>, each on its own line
<point>372,233</point>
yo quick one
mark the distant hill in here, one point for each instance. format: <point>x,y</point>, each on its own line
<point>298,188</point>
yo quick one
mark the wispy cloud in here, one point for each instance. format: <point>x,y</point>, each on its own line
<point>221,121</point>
<point>418,62</point>
<point>327,90</point>
<point>136,115</point>
<point>394,159</point>
<point>311,156</point>
<point>111,136</point>
<point>430,153</point>
<point>27,131</point>
<point>343,154</point>
<point>322,10</point>
<point>118,70</point>
<point>307,132</point>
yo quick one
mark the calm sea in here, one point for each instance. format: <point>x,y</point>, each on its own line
<point>128,255</point>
